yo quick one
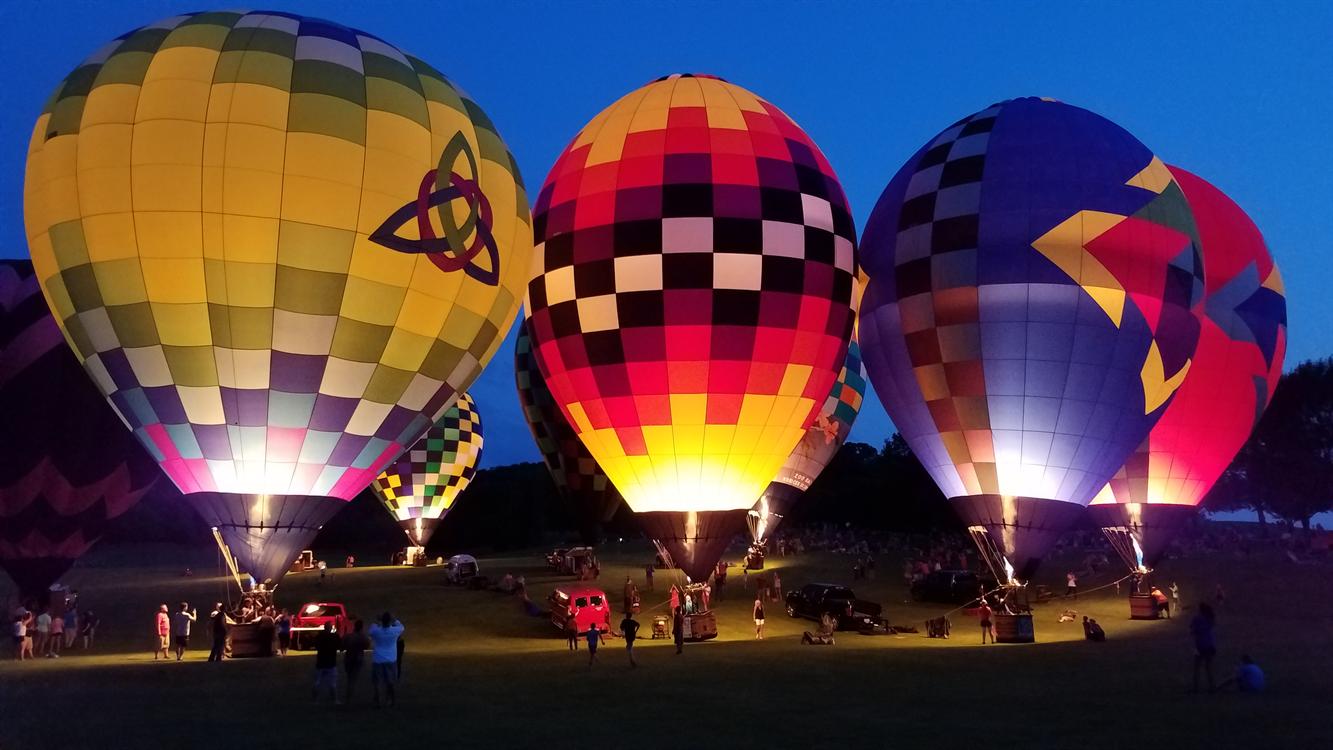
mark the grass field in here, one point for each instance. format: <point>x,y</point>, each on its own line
<point>480,673</point>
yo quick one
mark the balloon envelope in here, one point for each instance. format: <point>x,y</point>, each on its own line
<point>283,249</point>
<point>1033,270</point>
<point>573,469</point>
<point>1242,342</point>
<point>821,442</point>
<point>692,303</point>
<point>422,484</point>
<point>68,467</point>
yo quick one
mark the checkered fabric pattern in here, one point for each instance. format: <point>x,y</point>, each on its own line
<point>1235,369</point>
<point>206,202</point>
<point>830,429</point>
<point>426,480</point>
<point>573,469</point>
<point>1034,273</point>
<point>691,304</point>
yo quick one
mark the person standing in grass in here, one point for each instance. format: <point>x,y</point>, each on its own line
<point>1071,585</point>
<point>57,639</point>
<point>327,644</point>
<point>629,627</point>
<point>594,637</point>
<point>163,633</point>
<point>648,577</point>
<point>71,624</point>
<point>284,632</point>
<point>678,629</point>
<point>354,656</point>
<point>217,624</point>
<point>758,612</point>
<point>384,637</point>
<point>184,618</point>
<point>1205,646</point>
<point>44,632</point>
<point>20,633</point>
<point>572,629</point>
<point>985,613</point>
<point>88,628</point>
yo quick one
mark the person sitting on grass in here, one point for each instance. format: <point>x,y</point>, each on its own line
<point>1249,678</point>
<point>1092,631</point>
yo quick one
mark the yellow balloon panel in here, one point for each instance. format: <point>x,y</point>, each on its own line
<point>281,246</point>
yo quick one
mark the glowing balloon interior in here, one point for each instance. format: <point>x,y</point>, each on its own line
<point>1034,271</point>
<point>692,302</point>
<point>1242,342</point>
<point>280,246</point>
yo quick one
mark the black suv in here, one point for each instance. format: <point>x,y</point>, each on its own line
<point>813,600</point>
<point>951,587</point>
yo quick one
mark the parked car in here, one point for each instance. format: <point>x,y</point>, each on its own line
<point>813,600</point>
<point>310,619</point>
<point>586,604</point>
<point>460,568</point>
<point>951,586</point>
<point>576,557</point>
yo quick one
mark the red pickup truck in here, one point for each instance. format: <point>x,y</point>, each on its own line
<point>310,619</point>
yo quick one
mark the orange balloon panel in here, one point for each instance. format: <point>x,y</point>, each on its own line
<point>693,299</point>
<point>1241,346</point>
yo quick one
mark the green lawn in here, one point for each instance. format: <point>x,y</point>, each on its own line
<point>479,672</point>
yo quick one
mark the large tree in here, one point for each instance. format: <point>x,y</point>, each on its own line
<point>1286,468</point>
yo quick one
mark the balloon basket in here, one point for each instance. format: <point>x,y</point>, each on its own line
<point>1014,628</point>
<point>1142,607</point>
<point>700,626</point>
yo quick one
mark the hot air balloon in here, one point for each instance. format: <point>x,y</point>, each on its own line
<point>281,247</point>
<point>1242,341</point>
<point>423,484</point>
<point>1033,273</point>
<point>575,472</point>
<point>817,447</point>
<point>68,467</point>
<point>692,301</point>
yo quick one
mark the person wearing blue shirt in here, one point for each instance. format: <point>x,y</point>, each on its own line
<point>384,655</point>
<point>1249,678</point>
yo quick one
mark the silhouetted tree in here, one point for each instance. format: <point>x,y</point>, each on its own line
<point>1286,467</point>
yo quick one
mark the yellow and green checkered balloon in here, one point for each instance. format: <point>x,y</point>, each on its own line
<point>423,484</point>
<point>280,246</point>
<point>202,197</point>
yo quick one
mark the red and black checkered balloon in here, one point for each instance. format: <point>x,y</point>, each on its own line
<point>68,466</point>
<point>692,301</point>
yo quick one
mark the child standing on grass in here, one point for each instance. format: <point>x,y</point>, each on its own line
<point>594,637</point>
<point>57,639</point>
<point>20,634</point>
<point>572,631</point>
<point>163,633</point>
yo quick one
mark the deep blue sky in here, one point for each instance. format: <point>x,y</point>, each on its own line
<point>1239,93</point>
